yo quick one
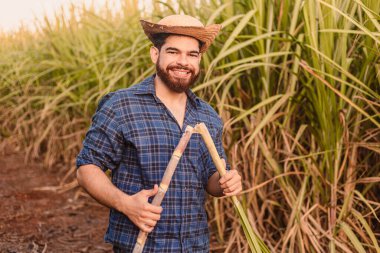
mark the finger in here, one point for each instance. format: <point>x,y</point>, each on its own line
<point>150,223</point>
<point>146,228</point>
<point>231,175</point>
<point>233,193</point>
<point>226,177</point>
<point>233,181</point>
<point>233,184</point>
<point>153,209</point>
<point>152,216</point>
<point>231,188</point>
<point>151,192</point>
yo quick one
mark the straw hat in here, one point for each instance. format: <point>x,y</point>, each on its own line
<point>183,25</point>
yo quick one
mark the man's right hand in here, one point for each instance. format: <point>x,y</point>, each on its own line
<point>136,207</point>
<point>143,214</point>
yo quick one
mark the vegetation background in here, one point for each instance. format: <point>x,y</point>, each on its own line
<point>297,83</point>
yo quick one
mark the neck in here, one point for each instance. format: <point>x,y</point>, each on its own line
<point>174,102</point>
<point>165,94</point>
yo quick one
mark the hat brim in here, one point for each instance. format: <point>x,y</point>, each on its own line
<point>204,34</point>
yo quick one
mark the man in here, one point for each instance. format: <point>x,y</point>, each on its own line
<point>134,133</point>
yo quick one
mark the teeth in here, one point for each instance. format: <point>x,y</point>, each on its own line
<point>181,72</point>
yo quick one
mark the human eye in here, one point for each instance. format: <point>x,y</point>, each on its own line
<point>194,54</point>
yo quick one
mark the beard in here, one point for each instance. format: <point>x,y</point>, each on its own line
<point>176,84</point>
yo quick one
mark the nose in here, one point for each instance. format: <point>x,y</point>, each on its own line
<point>182,60</point>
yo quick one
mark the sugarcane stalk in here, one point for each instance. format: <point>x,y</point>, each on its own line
<point>165,182</point>
<point>256,244</point>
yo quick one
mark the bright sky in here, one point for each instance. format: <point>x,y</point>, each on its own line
<point>13,12</point>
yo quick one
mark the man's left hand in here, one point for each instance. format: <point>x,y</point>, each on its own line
<point>231,183</point>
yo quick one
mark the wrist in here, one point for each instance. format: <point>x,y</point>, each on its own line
<point>122,201</point>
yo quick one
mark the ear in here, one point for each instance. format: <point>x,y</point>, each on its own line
<point>154,53</point>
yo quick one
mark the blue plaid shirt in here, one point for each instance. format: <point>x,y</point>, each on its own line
<point>134,135</point>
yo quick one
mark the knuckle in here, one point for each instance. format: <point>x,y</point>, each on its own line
<point>145,206</point>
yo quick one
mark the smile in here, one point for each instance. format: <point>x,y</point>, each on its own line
<point>180,72</point>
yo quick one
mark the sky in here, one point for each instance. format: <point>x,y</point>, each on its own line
<point>15,12</point>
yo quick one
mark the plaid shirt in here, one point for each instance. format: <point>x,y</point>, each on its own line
<point>134,135</point>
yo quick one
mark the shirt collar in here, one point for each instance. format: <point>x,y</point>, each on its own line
<point>147,87</point>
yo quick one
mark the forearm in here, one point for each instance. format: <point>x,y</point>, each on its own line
<point>213,186</point>
<point>98,185</point>
<point>136,207</point>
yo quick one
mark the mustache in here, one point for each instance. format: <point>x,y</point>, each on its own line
<point>180,67</point>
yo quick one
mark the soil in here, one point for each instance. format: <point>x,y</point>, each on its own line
<point>36,217</point>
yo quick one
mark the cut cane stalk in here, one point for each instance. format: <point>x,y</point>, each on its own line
<point>256,244</point>
<point>165,182</point>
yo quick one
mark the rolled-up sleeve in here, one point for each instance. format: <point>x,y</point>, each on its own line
<point>103,144</point>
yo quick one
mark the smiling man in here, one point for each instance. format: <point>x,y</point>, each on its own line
<point>134,133</point>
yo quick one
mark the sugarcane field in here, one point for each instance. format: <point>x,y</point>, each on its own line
<point>190,126</point>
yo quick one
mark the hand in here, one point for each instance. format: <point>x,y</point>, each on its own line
<point>231,182</point>
<point>143,214</point>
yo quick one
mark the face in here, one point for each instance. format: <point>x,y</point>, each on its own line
<point>177,63</point>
